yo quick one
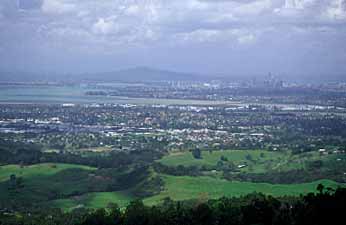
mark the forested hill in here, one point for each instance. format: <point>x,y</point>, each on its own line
<point>326,207</point>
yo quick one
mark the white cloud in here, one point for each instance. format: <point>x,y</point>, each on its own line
<point>57,6</point>
<point>136,22</point>
<point>133,10</point>
<point>92,28</point>
<point>200,35</point>
<point>337,9</point>
<point>103,27</point>
<point>228,36</point>
<point>314,11</point>
<point>253,8</point>
<point>247,39</point>
<point>148,22</point>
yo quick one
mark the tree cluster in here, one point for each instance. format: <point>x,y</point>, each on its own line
<point>326,207</point>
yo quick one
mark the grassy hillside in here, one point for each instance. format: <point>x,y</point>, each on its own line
<point>94,200</point>
<point>69,186</point>
<point>45,169</point>
<point>183,188</point>
<point>258,161</point>
<point>74,184</point>
<point>42,182</point>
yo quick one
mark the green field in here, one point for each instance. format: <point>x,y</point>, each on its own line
<point>45,169</point>
<point>52,184</point>
<point>41,182</point>
<point>261,160</point>
<point>94,200</point>
<point>183,188</point>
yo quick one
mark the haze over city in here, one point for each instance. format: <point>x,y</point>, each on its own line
<point>290,38</point>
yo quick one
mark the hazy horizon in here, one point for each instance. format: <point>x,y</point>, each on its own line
<point>144,74</point>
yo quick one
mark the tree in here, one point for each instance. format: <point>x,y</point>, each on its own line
<point>114,214</point>
<point>196,153</point>
<point>223,158</point>
<point>13,182</point>
<point>248,157</point>
<point>320,188</point>
<point>232,166</point>
<point>202,215</point>
<point>219,164</point>
<point>136,214</point>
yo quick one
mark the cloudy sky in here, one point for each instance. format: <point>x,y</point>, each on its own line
<point>236,37</point>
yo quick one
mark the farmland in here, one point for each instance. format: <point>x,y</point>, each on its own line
<point>257,161</point>
<point>186,188</point>
<point>46,169</point>
<point>94,200</point>
<point>183,188</point>
<point>42,180</point>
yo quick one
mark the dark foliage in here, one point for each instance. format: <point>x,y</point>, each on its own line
<point>19,153</point>
<point>326,207</point>
<point>177,170</point>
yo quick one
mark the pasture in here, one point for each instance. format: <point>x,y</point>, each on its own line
<point>184,188</point>
<point>257,161</point>
<point>69,186</point>
<point>187,188</point>
<point>45,169</point>
<point>42,182</point>
<point>93,200</point>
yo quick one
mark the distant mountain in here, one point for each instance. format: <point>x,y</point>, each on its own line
<point>140,74</point>
<point>26,77</point>
<point>136,74</point>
